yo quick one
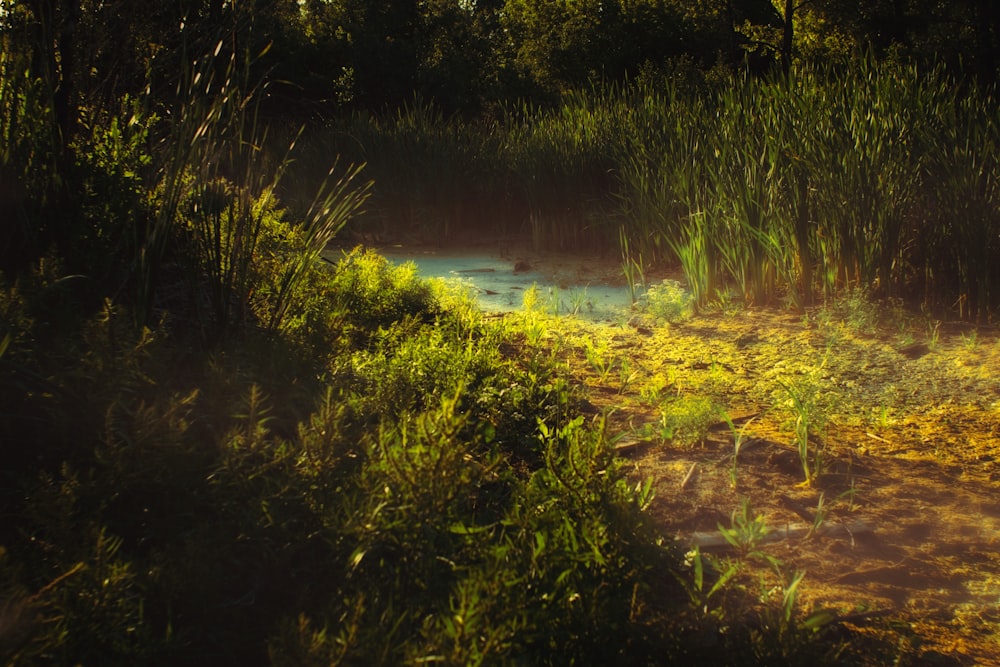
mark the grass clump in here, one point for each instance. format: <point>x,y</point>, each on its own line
<point>808,403</point>
<point>669,301</point>
<point>857,310</point>
<point>686,420</point>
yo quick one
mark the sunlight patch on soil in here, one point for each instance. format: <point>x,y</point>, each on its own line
<point>910,449</point>
<point>908,469</point>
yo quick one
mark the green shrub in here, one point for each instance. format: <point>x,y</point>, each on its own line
<point>375,293</point>
<point>669,301</point>
<point>412,366</point>
<point>687,419</point>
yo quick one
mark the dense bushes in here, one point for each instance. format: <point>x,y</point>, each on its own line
<point>400,517</point>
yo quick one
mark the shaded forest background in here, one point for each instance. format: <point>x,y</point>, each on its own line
<point>327,56</point>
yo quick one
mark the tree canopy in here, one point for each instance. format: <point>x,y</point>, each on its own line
<point>469,54</point>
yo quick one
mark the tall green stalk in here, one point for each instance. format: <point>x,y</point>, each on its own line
<point>696,254</point>
<point>868,173</point>
<point>217,170</point>
<point>336,202</point>
<point>745,180</point>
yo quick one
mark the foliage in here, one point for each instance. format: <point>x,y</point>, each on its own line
<point>405,493</point>
<point>668,301</point>
<point>219,447</point>
<point>791,204</point>
<point>809,409</point>
<point>686,420</point>
<point>191,520</point>
<point>469,56</point>
<point>839,183</point>
<point>27,154</point>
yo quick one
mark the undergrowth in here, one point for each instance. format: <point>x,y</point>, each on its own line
<point>420,489</point>
<point>219,448</point>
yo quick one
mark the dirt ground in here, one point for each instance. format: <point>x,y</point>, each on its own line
<point>898,531</point>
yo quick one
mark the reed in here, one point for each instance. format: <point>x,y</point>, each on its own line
<point>866,172</point>
<point>962,196</point>
<point>660,165</point>
<point>559,161</point>
<point>783,189</point>
<point>696,253</point>
<point>820,182</point>
<point>339,198</point>
<point>745,177</point>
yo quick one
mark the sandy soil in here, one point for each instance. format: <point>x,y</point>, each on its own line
<point>906,541</point>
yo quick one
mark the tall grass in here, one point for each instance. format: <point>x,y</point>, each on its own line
<point>29,153</point>
<point>227,185</point>
<point>866,168</point>
<point>528,172</point>
<point>561,161</point>
<point>961,241</point>
<point>786,188</point>
<point>219,184</point>
<point>434,176</point>
<point>661,170</point>
<point>828,176</point>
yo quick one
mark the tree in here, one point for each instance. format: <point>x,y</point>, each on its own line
<point>562,44</point>
<point>964,34</point>
<point>456,67</point>
<point>372,44</point>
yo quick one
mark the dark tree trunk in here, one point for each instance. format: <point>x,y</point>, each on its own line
<point>64,99</point>
<point>733,46</point>
<point>987,19</point>
<point>787,35</point>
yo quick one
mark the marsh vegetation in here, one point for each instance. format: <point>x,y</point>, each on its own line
<point>232,433</point>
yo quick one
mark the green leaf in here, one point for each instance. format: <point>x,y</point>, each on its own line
<point>463,529</point>
<point>819,619</point>
<point>723,579</point>
<point>357,557</point>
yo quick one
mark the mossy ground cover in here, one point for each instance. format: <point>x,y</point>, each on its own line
<point>894,419</point>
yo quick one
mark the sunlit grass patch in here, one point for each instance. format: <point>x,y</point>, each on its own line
<point>685,421</point>
<point>669,301</point>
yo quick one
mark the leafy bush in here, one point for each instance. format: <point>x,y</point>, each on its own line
<point>669,301</point>
<point>686,420</point>
<point>373,292</point>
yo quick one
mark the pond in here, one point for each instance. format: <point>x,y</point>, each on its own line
<point>590,287</point>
